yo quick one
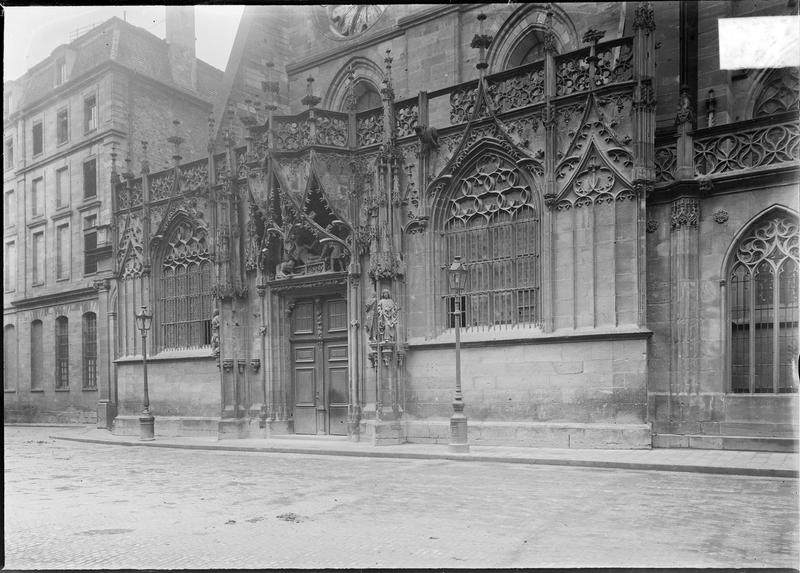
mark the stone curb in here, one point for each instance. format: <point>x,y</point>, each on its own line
<point>726,470</point>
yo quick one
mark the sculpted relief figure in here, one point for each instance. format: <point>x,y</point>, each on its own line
<point>215,333</point>
<point>387,317</point>
<point>369,320</point>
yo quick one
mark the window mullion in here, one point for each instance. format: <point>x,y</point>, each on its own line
<point>751,303</point>
<point>775,329</point>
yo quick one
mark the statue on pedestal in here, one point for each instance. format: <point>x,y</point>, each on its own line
<point>215,323</point>
<point>387,317</point>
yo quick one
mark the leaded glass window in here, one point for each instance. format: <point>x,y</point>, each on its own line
<point>62,353</point>
<point>186,302</point>
<point>763,309</point>
<point>492,223</point>
<point>89,351</point>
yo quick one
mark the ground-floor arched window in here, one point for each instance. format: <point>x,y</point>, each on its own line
<point>763,307</point>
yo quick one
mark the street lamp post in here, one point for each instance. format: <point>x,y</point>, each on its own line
<point>457,276</point>
<point>146,420</point>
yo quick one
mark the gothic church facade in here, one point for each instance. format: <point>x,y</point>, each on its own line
<point>626,210</point>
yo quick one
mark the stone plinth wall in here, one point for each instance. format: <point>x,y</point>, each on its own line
<point>599,381</point>
<point>187,386</point>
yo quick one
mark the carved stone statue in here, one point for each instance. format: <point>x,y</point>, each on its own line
<point>369,320</point>
<point>429,137</point>
<point>215,322</point>
<point>387,317</point>
<point>334,256</point>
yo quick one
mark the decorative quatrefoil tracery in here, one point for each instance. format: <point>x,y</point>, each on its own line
<point>772,239</point>
<point>495,188</point>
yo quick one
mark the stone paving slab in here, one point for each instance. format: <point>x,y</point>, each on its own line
<point>766,464</point>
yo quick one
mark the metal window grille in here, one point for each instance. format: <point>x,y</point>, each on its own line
<point>90,178</point>
<point>493,224</point>
<point>62,353</point>
<point>36,196</point>
<point>763,309</point>
<point>9,357</point>
<point>90,113</point>
<point>38,138</point>
<point>37,344</point>
<point>186,301</point>
<point>38,258</point>
<point>62,126</point>
<point>89,351</point>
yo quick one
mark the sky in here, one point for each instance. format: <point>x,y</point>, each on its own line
<point>32,32</point>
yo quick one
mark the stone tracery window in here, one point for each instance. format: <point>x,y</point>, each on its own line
<point>763,308</point>
<point>185,297</point>
<point>492,222</point>
<point>781,92</point>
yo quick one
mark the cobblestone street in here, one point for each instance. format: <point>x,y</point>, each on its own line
<point>79,506</point>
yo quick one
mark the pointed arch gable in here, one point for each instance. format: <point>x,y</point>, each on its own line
<point>364,69</point>
<point>483,128</point>
<point>445,187</point>
<point>527,19</point>
<point>590,177</point>
<point>774,210</point>
<point>774,90</point>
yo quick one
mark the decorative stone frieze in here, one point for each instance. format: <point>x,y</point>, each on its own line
<point>685,213</point>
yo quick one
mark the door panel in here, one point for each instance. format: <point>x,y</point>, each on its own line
<point>305,389</point>
<point>319,367</point>
<point>336,376</point>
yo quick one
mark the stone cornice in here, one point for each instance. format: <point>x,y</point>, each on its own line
<point>75,295</point>
<point>535,338</point>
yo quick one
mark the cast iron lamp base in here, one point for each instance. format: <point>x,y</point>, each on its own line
<point>458,429</point>
<point>146,427</point>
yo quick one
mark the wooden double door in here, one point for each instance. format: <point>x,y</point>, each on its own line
<point>319,365</point>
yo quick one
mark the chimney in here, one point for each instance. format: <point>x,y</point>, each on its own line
<point>180,39</point>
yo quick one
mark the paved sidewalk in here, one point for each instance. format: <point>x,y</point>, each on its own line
<point>767,464</point>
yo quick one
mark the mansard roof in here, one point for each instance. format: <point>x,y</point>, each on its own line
<point>125,44</point>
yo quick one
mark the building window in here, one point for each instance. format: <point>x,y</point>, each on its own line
<point>90,179</point>
<point>37,255</point>
<point>9,357</point>
<point>37,200</point>
<point>89,258</point>
<point>62,353</point>
<point>492,223</point>
<point>37,355</point>
<point>62,252</point>
<point>89,351</point>
<point>62,187</point>
<point>38,138</point>
<point>62,126</point>
<point>90,113</point>
<point>9,209</point>
<point>10,267</point>
<point>8,162</point>
<point>780,93</point>
<point>61,71</point>
<point>186,303</point>
<point>763,309</point>
<point>528,50</point>
<point>367,97</point>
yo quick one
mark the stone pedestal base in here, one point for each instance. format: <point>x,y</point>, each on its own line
<point>384,433</point>
<point>146,428</point>
<point>106,412</point>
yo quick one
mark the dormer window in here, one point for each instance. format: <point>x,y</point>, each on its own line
<point>61,71</point>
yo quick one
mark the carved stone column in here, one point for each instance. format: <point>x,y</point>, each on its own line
<point>106,407</point>
<point>684,306</point>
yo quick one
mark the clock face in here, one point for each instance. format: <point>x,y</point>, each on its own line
<point>350,20</point>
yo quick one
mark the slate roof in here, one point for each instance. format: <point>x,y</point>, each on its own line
<point>131,47</point>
